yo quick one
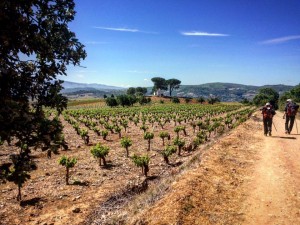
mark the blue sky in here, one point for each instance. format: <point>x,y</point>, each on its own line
<point>196,41</point>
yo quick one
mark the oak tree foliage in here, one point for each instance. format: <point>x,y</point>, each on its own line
<point>266,95</point>
<point>36,45</point>
<point>293,94</point>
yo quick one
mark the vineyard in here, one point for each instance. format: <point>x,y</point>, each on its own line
<point>107,155</point>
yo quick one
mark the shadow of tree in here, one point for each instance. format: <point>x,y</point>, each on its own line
<point>31,202</point>
<point>81,183</point>
<point>109,166</point>
<point>153,177</point>
<point>176,164</point>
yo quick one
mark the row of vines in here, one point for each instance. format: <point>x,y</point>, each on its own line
<point>154,137</point>
<point>164,129</point>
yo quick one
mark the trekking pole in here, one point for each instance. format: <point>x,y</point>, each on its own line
<point>274,126</point>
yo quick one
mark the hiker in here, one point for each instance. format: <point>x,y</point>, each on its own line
<point>268,113</point>
<point>290,112</point>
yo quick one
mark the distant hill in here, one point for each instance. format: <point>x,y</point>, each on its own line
<point>82,86</point>
<point>227,92</point>
<point>80,90</point>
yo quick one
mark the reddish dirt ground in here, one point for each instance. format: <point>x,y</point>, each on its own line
<point>274,187</point>
<point>245,178</point>
<point>47,200</point>
<point>241,178</point>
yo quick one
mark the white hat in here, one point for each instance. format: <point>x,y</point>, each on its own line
<point>289,100</point>
<point>268,103</point>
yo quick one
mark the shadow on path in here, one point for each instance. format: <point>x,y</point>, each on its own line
<point>293,138</point>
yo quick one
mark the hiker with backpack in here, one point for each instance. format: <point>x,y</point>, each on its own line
<point>268,112</point>
<point>290,112</point>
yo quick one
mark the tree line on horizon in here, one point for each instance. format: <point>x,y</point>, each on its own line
<point>134,95</point>
<point>159,83</point>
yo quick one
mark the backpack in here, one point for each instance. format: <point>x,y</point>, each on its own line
<point>268,112</point>
<point>292,109</point>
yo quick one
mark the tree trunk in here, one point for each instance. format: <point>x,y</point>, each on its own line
<point>86,140</point>
<point>49,153</point>
<point>104,161</point>
<point>19,196</point>
<point>149,144</point>
<point>146,170</point>
<point>166,159</point>
<point>127,152</point>
<point>179,150</point>
<point>67,175</point>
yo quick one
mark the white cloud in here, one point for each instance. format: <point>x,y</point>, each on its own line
<point>200,33</point>
<point>281,40</point>
<point>118,29</point>
<point>122,29</point>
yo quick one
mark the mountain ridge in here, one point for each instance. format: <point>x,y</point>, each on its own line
<point>224,91</point>
<point>227,91</point>
<point>69,84</point>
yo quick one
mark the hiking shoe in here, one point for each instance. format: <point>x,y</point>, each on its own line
<point>270,134</point>
<point>286,131</point>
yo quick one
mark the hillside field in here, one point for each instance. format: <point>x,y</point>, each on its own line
<point>206,181</point>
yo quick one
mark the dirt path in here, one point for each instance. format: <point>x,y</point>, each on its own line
<point>244,178</point>
<point>274,189</point>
